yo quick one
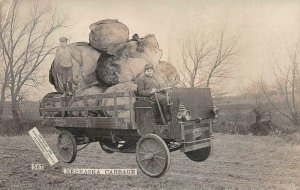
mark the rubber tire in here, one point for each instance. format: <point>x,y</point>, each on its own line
<point>165,148</point>
<point>199,155</point>
<point>102,144</point>
<point>72,138</point>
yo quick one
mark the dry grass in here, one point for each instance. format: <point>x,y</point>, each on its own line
<point>237,162</point>
<point>8,128</point>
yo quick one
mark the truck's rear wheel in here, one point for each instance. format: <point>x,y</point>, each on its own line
<point>67,146</point>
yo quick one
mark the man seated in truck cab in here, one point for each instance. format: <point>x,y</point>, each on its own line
<point>149,87</point>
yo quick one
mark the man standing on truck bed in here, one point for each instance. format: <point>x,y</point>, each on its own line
<point>148,86</point>
<point>63,59</point>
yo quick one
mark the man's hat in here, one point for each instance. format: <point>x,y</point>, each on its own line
<point>63,39</point>
<point>148,66</point>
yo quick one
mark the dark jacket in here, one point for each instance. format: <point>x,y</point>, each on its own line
<point>145,85</point>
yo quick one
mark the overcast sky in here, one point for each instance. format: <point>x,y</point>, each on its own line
<point>266,28</point>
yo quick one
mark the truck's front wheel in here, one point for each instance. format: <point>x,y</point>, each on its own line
<point>198,155</point>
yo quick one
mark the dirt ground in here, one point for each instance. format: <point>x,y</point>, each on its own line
<point>237,162</point>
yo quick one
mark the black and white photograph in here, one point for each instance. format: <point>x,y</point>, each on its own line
<point>150,94</point>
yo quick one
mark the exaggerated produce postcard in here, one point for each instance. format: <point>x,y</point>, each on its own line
<point>161,94</point>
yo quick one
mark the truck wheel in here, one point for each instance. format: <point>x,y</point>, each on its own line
<point>67,146</point>
<point>198,155</point>
<point>152,155</point>
<point>105,147</point>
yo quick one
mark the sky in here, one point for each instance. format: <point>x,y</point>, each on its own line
<point>267,29</point>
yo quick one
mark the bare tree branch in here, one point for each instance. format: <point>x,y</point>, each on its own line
<point>26,43</point>
<point>285,84</point>
<point>205,63</point>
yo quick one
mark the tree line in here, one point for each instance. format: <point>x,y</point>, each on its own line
<point>25,42</point>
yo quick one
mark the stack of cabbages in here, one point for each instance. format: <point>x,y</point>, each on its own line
<point>111,62</point>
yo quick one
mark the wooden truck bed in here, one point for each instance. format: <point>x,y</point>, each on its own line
<point>57,111</point>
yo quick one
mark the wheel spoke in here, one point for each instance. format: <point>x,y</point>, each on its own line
<point>160,157</point>
<point>159,151</point>
<point>60,150</point>
<point>156,146</point>
<point>143,159</point>
<point>63,152</point>
<point>147,164</point>
<point>66,144</point>
<point>152,165</point>
<point>150,143</point>
<point>70,151</point>
<point>159,163</point>
<point>142,152</point>
<point>143,147</point>
<point>61,141</point>
<point>64,138</point>
<point>69,142</point>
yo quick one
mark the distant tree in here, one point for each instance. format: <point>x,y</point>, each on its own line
<point>194,54</point>
<point>4,75</point>
<point>25,41</point>
<point>261,109</point>
<point>286,80</point>
<point>206,63</point>
<point>254,94</point>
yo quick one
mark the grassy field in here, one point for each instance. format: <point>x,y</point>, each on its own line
<point>237,162</point>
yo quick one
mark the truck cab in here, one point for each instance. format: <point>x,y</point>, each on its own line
<point>192,112</point>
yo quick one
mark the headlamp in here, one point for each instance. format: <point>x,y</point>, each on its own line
<point>183,113</point>
<point>187,115</point>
